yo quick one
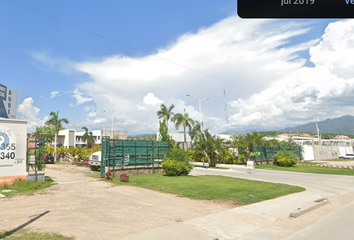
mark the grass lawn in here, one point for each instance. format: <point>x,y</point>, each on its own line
<point>240,191</point>
<point>24,234</point>
<point>309,169</point>
<point>26,187</point>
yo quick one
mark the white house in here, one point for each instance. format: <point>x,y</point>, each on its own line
<point>72,138</point>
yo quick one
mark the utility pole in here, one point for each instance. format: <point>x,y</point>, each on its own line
<point>318,132</point>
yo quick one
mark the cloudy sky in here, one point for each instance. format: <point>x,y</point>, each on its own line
<point>95,61</point>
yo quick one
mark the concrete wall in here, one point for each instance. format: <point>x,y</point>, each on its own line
<point>32,176</point>
<point>134,172</point>
<point>326,152</point>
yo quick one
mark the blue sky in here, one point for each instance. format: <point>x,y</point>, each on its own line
<point>93,60</point>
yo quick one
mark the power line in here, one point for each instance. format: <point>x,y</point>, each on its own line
<point>128,46</point>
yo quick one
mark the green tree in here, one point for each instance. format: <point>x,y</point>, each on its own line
<point>56,123</point>
<point>245,144</point>
<point>88,137</point>
<point>165,113</point>
<point>196,132</point>
<point>45,131</point>
<point>240,143</point>
<point>210,146</point>
<point>185,121</point>
<point>163,130</point>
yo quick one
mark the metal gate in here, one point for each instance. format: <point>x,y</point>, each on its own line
<point>35,160</point>
<point>132,154</point>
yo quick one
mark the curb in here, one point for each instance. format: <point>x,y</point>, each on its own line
<point>299,212</point>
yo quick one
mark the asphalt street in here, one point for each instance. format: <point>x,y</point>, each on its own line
<point>324,184</point>
<point>333,221</point>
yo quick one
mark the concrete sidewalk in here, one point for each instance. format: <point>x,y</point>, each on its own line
<point>265,220</point>
<point>262,220</point>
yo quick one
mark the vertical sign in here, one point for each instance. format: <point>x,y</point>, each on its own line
<point>8,102</point>
<point>13,145</point>
<point>250,166</point>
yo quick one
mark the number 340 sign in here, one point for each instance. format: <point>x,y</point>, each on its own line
<point>13,145</point>
<point>7,144</point>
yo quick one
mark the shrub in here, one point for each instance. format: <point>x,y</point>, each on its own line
<point>178,154</point>
<point>285,158</point>
<point>241,159</point>
<point>174,167</point>
<point>195,156</point>
<point>177,162</point>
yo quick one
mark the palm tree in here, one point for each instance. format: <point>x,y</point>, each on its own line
<point>87,137</point>
<point>209,146</point>
<point>196,131</point>
<point>165,113</point>
<point>56,122</point>
<point>245,144</point>
<point>185,121</point>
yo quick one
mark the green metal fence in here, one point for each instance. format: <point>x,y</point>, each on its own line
<point>123,154</point>
<point>267,152</point>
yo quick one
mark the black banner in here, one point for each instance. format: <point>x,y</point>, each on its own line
<point>295,8</point>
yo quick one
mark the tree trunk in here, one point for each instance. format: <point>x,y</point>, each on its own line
<point>212,161</point>
<point>185,140</point>
<point>55,146</point>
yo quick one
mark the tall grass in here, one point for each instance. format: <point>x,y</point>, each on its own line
<point>25,234</point>
<point>25,186</point>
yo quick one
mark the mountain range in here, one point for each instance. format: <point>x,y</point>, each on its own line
<point>341,125</point>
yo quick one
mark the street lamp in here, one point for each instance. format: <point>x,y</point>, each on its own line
<point>200,115</point>
<point>200,108</point>
<point>318,132</point>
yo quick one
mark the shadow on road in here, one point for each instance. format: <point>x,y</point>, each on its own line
<point>9,233</point>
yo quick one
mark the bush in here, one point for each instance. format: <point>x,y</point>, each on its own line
<point>124,177</point>
<point>177,163</point>
<point>174,167</point>
<point>241,159</point>
<point>285,158</point>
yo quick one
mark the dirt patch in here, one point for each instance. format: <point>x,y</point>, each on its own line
<point>88,208</point>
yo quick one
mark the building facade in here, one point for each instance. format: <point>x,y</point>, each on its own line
<point>72,138</point>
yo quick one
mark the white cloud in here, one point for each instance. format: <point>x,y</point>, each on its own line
<point>150,102</point>
<point>267,83</point>
<point>54,94</point>
<point>27,109</point>
<point>79,98</point>
<point>239,53</point>
<point>323,91</point>
<point>336,49</point>
<point>29,112</point>
<point>92,114</point>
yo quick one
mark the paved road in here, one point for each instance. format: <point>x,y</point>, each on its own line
<point>331,221</point>
<point>337,225</point>
<point>323,184</point>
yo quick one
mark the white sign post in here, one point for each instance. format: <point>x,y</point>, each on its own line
<point>250,166</point>
<point>13,145</point>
